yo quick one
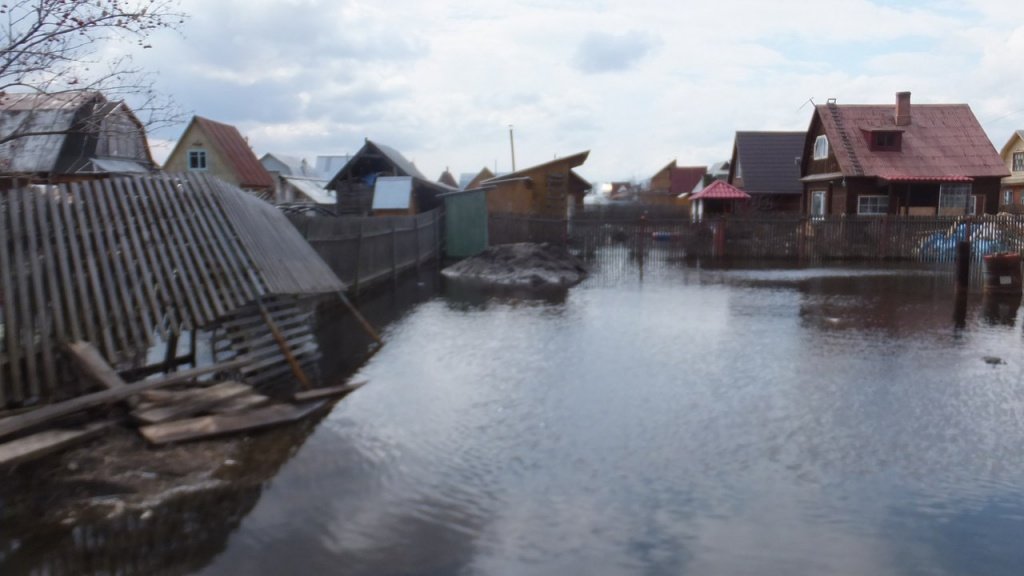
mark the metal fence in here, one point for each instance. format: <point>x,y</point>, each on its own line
<point>791,237</point>
<point>364,251</point>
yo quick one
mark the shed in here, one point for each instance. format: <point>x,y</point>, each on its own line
<point>465,222</point>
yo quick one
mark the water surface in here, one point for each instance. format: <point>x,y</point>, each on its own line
<point>690,420</point>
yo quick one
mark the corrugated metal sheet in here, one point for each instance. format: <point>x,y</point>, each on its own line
<point>312,189</point>
<point>942,140</point>
<point>286,262</point>
<point>229,141</point>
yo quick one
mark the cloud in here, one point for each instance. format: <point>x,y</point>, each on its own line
<point>600,52</point>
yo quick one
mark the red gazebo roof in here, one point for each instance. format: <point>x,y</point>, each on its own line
<point>720,190</point>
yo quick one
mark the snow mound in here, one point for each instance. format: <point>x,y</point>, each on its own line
<point>520,265</point>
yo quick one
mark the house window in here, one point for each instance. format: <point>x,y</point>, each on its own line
<point>818,203</point>
<point>197,159</point>
<point>872,205</point>
<point>821,147</point>
<point>973,203</point>
<point>886,141</point>
<point>1007,197</point>
<point>1018,161</point>
<point>954,195</point>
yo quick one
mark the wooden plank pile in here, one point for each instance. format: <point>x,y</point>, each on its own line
<point>170,408</point>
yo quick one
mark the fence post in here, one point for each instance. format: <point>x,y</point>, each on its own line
<point>416,235</point>
<point>719,250</point>
<point>394,251</point>
<point>359,257</point>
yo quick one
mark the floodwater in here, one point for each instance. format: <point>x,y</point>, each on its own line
<point>687,420</point>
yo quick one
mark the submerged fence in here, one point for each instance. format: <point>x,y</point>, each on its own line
<point>773,237</point>
<point>364,251</point>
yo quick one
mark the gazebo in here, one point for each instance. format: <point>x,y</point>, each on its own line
<point>720,198</point>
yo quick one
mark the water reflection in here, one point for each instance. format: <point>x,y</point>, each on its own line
<point>698,420</point>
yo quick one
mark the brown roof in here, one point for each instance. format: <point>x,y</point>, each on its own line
<point>941,141</point>
<point>447,179</point>
<point>236,151</point>
<point>685,178</point>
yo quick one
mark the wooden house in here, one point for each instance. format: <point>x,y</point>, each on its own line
<point>69,137</point>
<point>1012,196</point>
<point>547,189</point>
<point>921,160</point>
<point>218,149</point>
<point>766,165</point>
<point>672,185</point>
<point>376,167</point>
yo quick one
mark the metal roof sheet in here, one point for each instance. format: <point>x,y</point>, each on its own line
<point>49,116</point>
<point>769,161</point>
<point>312,189</point>
<point>720,190</point>
<point>941,141</point>
<point>236,151</point>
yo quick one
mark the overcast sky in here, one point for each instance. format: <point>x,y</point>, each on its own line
<point>638,83</point>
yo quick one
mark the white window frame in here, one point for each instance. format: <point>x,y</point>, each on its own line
<point>1018,161</point>
<point>877,205</point>
<point>821,147</point>
<point>949,192</point>
<point>819,203</point>
<point>197,160</point>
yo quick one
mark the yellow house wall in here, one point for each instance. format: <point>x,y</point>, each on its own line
<point>1018,176</point>
<point>215,163</point>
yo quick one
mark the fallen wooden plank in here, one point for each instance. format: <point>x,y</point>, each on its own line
<point>43,443</point>
<point>328,392</point>
<point>93,366</point>
<point>241,404</point>
<point>51,412</point>
<point>210,426</point>
<point>193,403</point>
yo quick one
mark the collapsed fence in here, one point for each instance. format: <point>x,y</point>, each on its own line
<point>793,238</point>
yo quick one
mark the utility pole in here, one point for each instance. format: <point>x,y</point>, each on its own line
<point>512,145</point>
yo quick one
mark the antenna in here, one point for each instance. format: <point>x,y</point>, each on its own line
<point>512,145</point>
<point>808,101</point>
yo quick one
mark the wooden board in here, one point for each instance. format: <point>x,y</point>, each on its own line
<point>328,392</point>
<point>192,402</point>
<point>93,366</point>
<point>221,424</point>
<point>43,443</point>
<point>241,404</point>
<point>14,424</point>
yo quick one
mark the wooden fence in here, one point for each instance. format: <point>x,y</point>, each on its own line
<point>364,251</point>
<point>774,237</point>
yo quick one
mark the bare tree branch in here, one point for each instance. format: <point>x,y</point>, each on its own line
<point>53,47</point>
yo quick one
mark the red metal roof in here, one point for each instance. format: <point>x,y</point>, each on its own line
<point>686,178</point>
<point>236,151</point>
<point>941,142</point>
<point>720,190</point>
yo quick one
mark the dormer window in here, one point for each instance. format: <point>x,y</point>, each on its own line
<point>886,140</point>
<point>821,147</point>
<point>1018,161</point>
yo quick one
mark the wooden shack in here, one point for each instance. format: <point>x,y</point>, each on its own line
<point>545,190</point>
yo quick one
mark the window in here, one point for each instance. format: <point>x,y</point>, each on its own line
<point>821,147</point>
<point>872,205</point>
<point>886,141</point>
<point>954,196</point>
<point>197,159</point>
<point>818,203</point>
<point>973,203</point>
<point>1018,161</point>
<point>1007,197</point>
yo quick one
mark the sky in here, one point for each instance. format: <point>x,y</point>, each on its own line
<point>639,83</point>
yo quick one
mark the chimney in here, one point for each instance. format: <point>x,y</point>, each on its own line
<point>903,108</point>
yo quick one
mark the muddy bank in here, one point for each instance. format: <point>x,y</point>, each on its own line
<point>522,265</point>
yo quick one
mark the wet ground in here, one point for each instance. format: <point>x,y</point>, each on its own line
<point>694,419</point>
